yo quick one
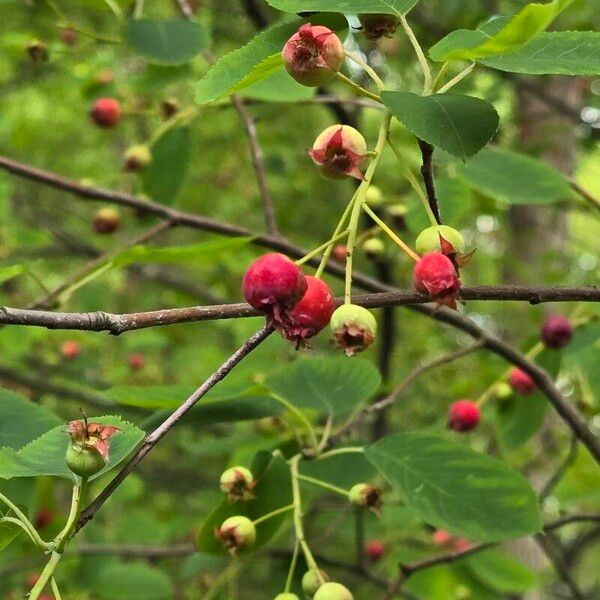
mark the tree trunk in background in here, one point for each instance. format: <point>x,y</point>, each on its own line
<point>538,234</point>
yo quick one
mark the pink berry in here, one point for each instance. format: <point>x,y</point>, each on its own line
<point>43,518</point>
<point>435,275</point>
<point>464,415</point>
<point>137,361</point>
<point>520,382</point>
<point>441,537</point>
<point>339,252</point>
<point>106,112</point>
<point>461,544</point>
<point>311,314</point>
<point>375,550</point>
<point>313,55</point>
<point>70,349</point>
<point>273,285</point>
<point>556,332</point>
<point>339,151</point>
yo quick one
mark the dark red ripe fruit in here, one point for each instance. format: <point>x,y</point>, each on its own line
<point>106,112</point>
<point>273,284</point>
<point>70,349</point>
<point>520,382</point>
<point>435,275</point>
<point>43,518</point>
<point>375,550</point>
<point>339,252</point>
<point>311,314</point>
<point>464,415</point>
<point>556,332</point>
<point>137,362</point>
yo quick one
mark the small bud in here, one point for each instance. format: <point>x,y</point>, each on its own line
<point>237,533</point>
<point>374,197</point>
<point>106,112</point>
<point>556,332</point>
<point>38,51</point>
<point>137,158</point>
<point>340,252</point>
<point>169,107</point>
<point>311,582</point>
<point>463,415</point>
<point>374,248</point>
<point>520,382</point>
<point>88,451</point>
<point>313,55</point>
<point>107,220</point>
<point>368,496</point>
<point>68,36</point>
<point>237,483</point>
<point>339,151</point>
<point>136,361</point>
<point>502,391</point>
<point>70,349</point>
<point>333,591</point>
<point>375,550</point>
<point>378,25</point>
<point>436,276</point>
<point>429,239</point>
<point>354,328</point>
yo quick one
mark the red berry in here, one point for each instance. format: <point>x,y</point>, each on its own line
<point>375,550</point>
<point>313,54</point>
<point>69,36</point>
<point>43,518</point>
<point>461,544</point>
<point>311,314</point>
<point>70,349</point>
<point>339,151</point>
<point>441,537</point>
<point>340,252</point>
<point>464,415</point>
<point>273,284</point>
<point>106,112</point>
<point>520,382</point>
<point>556,332</point>
<point>137,362</point>
<point>435,275</point>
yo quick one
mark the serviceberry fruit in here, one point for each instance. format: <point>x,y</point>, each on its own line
<point>107,220</point>
<point>339,151</point>
<point>368,496</point>
<point>435,275</point>
<point>136,361</point>
<point>375,550</point>
<point>340,252</point>
<point>38,51</point>
<point>313,54</point>
<point>311,582</point>
<point>43,518</point>
<point>333,591</point>
<point>237,533</point>
<point>429,239</point>
<point>88,451</point>
<point>441,537</point>
<point>68,36</point>
<point>286,596</point>
<point>237,483</point>
<point>273,284</point>
<point>375,26</point>
<point>502,391</point>
<point>556,332</point>
<point>169,107</point>
<point>374,196</point>
<point>463,415</point>
<point>520,382</point>
<point>354,328</point>
<point>311,314</point>
<point>106,112</point>
<point>137,158</point>
<point>70,349</point>
<point>374,248</point>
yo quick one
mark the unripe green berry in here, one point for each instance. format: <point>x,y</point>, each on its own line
<point>374,248</point>
<point>238,533</point>
<point>137,158</point>
<point>333,591</point>
<point>238,483</point>
<point>85,462</point>
<point>366,495</point>
<point>429,239</point>
<point>502,391</point>
<point>286,596</point>
<point>374,196</point>
<point>354,328</point>
<point>311,582</point>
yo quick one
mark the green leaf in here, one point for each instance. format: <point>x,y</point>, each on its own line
<point>460,125</point>
<point>465,44</point>
<point>21,420</point>
<point>8,273</point>
<point>336,385</point>
<point>257,60</point>
<point>202,253</point>
<point>8,531</point>
<point>391,7</point>
<point>502,573</point>
<point>272,491</point>
<point>554,53</point>
<point>515,178</point>
<point>164,176</point>
<point>132,581</point>
<point>46,454</point>
<point>166,42</point>
<point>452,487</point>
<point>278,87</point>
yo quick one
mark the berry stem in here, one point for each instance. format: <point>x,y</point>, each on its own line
<point>323,484</point>
<point>408,174</point>
<point>62,539</point>
<point>338,451</point>
<point>361,194</point>
<point>292,570</point>
<point>272,514</point>
<point>404,247</point>
<point>188,113</point>
<point>357,88</point>
<point>367,69</point>
<point>427,81</point>
<point>438,78</point>
<point>25,523</point>
<point>45,576</point>
<point>55,590</point>
<point>299,415</point>
<point>456,79</point>
<point>322,247</point>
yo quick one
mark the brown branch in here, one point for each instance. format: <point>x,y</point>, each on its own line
<point>152,439</point>
<point>120,323</point>
<point>427,173</point>
<point>543,380</point>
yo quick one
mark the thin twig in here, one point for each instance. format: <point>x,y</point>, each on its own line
<point>427,173</point>
<point>562,469</point>
<point>593,201</point>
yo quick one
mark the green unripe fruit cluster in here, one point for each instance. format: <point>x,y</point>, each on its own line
<point>286,596</point>
<point>429,239</point>
<point>333,591</point>
<point>311,582</point>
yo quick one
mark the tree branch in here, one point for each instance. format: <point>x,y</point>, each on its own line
<point>427,173</point>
